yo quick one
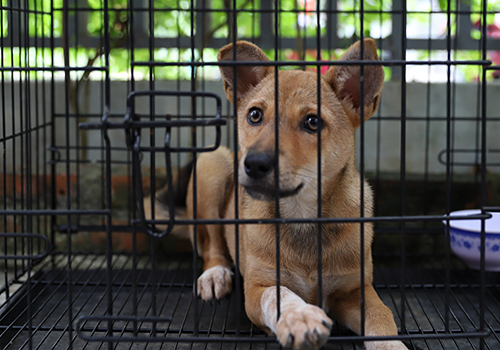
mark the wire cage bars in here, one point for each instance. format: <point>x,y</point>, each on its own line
<point>103,102</point>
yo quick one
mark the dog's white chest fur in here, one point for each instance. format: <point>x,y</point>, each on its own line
<point>302,206</point>
<point>306,284</point>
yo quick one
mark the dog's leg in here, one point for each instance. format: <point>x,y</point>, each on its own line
<point>379,320</point>
<point>214,179</point>
<point>216,280</point>
<point>300,325</point>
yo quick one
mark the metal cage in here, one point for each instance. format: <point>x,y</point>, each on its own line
<point>102,102</point>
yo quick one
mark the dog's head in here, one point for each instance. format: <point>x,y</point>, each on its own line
<point>299,120</point>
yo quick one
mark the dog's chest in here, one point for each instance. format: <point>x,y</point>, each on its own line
<point>306,283</point>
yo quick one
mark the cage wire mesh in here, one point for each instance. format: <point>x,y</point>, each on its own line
<point>103,102</point>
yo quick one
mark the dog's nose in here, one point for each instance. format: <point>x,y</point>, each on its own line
<point>258,165</point>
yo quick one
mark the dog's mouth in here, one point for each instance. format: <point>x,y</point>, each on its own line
<point>265,193</point>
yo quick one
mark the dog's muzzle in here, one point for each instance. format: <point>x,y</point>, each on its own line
<point>258,179</point>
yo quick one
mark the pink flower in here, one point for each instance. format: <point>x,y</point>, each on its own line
<point>492,31</point>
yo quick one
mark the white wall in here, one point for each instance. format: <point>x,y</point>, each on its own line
<point>424,138</point>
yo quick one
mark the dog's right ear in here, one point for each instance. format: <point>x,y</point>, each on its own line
<point>246,76</point>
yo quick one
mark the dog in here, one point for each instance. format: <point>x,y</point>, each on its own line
<point>301,323</point>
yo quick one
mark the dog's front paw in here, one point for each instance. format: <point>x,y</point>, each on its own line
<point>215,283</point>
<point>305,327</point>
<point>385,345</point>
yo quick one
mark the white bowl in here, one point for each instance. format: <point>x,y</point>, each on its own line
<point>465,239</point>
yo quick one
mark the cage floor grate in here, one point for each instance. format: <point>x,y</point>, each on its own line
<point>166,292</point>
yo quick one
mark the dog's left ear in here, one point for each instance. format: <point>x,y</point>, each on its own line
<point>345,81</point>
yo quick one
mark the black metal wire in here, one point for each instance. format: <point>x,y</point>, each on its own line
<point>277,118</point>
<point>237,241</point>
<point>30,238</point>
<point>484,41</point>
<point>67,80</point>
<point>402,169</point>
<point>362,171</point>
<point>130,298</point>
<point>281,63</point>
<point>329,220</point>
<point>318,155</point>
<point>448,157</point>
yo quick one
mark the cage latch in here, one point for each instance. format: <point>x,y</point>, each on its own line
<point>134,123</point>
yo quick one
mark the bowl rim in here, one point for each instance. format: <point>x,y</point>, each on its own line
<point>468,225</point>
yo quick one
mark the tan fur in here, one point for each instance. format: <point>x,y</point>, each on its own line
<point>302,325</point>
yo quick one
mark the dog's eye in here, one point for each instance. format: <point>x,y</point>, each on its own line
<point>312,123</point>
<point>255,116</point>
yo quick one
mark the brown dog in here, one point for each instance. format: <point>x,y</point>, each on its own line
<point>302,324</point>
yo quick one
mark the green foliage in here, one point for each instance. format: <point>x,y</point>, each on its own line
<point>298,19</point>
<point>375,16</point>
<point>247,18</point>
<point>3,19</point>
<point>477,7</point>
